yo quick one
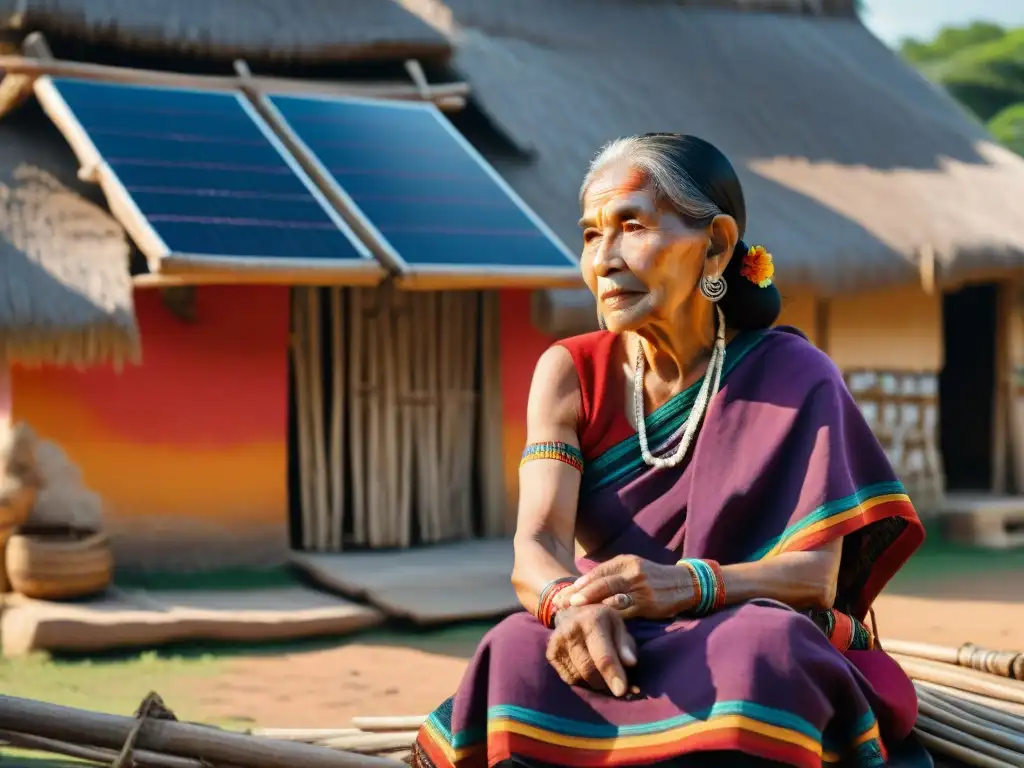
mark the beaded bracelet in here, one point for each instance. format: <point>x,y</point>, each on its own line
<point>563,452</point>
<point>708,585</point>
<point>546,608</point>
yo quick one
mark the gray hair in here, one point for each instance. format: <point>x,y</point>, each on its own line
<point>652,157</point>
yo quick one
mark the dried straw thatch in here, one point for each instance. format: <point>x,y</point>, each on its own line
<point>65,291</point>
<point>855,167</point>
<point>261,31</point>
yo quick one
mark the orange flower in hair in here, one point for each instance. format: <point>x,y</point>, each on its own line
<point>758,266</point>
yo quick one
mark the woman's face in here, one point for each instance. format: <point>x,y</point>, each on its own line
<point>640,260</point>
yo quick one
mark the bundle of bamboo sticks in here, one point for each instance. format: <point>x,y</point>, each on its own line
<point>970,702</point>
<point>398,412</point>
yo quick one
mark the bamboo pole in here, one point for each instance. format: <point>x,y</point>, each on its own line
<point>1003,663</point>
<point>446,95</point>
<point>374,352</point>
<point>407,418</point>
<point>302,407</point>
<point>469,450</point>
<point>952,749</point>
<point>974,712</point>
<point>337,453</point>
<point>979,746</point>
<point>977,699</point>
<point>964,679</point>
<point>170,737</point>
<point>314,321</point>
<point>305,735</point>
<point>372,742</point>
<point>357,401</point>
<point>399,723</point>
<point>389,470</point>
<point>959,720</point>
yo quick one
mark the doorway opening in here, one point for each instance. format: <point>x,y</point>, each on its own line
<point>967,387</point>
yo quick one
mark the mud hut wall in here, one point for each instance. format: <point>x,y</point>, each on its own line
<point>189,449</point>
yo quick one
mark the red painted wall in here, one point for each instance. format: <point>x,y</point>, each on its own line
<point>521,347</point>
<point>188,450</point>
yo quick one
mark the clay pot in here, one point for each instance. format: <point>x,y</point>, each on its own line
<point>58,564</point>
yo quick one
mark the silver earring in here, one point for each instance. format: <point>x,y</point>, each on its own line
<point>713,288</point>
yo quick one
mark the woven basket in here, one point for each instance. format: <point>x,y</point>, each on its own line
<point>58,565</point>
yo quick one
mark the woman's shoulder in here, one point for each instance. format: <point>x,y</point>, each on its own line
<point>789,353</point>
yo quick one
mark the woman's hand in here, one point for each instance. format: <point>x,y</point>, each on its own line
<point>637,588</point>
<point>591,645</point>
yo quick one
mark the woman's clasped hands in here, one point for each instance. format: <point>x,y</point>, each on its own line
<point>590,643</point>
<point>635,587</point>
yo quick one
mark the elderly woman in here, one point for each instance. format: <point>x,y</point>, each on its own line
<point>737,516</point>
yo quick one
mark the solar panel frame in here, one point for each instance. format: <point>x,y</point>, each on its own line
<point>365,270</point>
<point>421,276</point>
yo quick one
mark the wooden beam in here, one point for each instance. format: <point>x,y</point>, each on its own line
<point>447,96</point>
<point>169,737</point>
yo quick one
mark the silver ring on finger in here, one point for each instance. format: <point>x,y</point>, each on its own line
<point>625,600</point>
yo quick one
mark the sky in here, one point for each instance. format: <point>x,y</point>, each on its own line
<point>892,20</point>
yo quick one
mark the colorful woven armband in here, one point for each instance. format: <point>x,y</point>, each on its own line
<point>708,585</point>
<point>563,452</point>
<point>846,633</point>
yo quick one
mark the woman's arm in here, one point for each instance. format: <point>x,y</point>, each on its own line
<point>656,591</point>
<point>548,489</point>
<point>798,579</point>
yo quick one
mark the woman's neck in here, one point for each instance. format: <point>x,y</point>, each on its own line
<point>677,351</point>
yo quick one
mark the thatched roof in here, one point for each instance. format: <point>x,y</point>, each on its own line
<point>66,292</point>
<point>260,31</point>
<point>852,163</point>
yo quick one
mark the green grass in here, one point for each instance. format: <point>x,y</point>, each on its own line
<point>940,560</point>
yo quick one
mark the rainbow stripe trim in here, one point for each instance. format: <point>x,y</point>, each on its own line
<point>840,517</point>
<point>563,452</point>
<point>731,726</point>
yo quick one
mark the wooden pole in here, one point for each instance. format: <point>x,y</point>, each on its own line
<point>337,454</point>
<point>316,415</point>
<point>962,678</point>
<point>140,758</point>
<point>302,406</point>
<point>170,737</point>
<point>357,411</point>
<point>446,96</point>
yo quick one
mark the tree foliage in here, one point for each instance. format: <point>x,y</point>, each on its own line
<point>982,66</point>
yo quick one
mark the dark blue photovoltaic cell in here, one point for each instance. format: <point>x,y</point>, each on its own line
<point>203,173</point>
<point>419,186</point>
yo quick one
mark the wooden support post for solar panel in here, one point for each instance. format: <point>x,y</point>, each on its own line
<point>448,96</point>
<point>16,88</point>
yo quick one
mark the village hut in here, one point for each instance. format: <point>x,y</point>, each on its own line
<point>892,214</point>
<point>228,416</point>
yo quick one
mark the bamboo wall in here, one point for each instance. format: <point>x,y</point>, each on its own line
<point>398,407</point>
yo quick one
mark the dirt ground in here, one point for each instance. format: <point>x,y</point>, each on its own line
<point>325,688</point>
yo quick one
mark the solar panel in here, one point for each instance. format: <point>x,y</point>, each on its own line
<point>421,195</point>
<point>203,185</point>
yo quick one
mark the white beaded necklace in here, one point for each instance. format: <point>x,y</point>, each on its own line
<point>712,380</point>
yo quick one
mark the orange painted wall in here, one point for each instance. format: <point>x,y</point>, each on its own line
<point>190,448</point>
<point>521,347</point>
